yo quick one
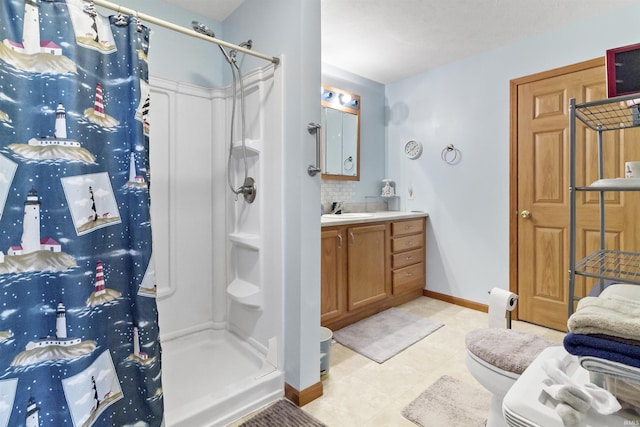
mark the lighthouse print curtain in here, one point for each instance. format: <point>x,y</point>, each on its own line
<point>78,320</point>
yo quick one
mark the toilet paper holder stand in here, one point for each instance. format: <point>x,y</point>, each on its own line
<point>507,315</point>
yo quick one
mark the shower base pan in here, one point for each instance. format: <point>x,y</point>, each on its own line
<point>211,378</point>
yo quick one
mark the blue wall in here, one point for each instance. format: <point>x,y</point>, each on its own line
<point>175,56</point>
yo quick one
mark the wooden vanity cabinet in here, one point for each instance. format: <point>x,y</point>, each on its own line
<point>333,266</point>
<point>408,255</point>
<point>366,264</point>
<point>369,267</point>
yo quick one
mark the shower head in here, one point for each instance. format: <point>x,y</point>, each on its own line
<point>199,27</point>
<point>248,45</point>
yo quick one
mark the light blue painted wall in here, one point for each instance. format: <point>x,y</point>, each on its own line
<point>467,104</point>
<point>175,56</point>
<point>372,127</point>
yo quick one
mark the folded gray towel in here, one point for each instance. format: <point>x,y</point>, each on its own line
<point>615,316</point>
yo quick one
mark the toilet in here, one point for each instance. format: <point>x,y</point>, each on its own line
<point>496,358</point>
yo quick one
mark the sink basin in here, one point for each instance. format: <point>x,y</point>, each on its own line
<point>352,215</point>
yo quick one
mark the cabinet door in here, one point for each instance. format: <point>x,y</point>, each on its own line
<point>332,283</point>
<point>367,249</point>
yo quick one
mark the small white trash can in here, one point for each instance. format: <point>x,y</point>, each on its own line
<point>326,336</point>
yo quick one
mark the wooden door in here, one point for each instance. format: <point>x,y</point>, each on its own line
<point>542,207</point>
<point>332,271</point>
<point>367,254</point>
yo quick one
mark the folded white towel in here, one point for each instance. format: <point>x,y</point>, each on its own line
<point>623,290</point>
<point>602,401</point>
<point>610,367</point>
<point>573,396</point>
<point>615,316</point>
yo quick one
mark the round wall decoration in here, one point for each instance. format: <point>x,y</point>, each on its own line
<point>413,149</point>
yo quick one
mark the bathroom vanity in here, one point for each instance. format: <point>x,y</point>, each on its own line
<point>370,262</point>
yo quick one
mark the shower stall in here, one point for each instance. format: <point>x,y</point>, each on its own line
<point>218,258</point>
<point>219,266</point>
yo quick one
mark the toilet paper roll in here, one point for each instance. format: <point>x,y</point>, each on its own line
<point>500,301</point>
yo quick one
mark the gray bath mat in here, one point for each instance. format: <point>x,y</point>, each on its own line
<point>449,402</point>
<point>385,334</point>
<point>282,414</point>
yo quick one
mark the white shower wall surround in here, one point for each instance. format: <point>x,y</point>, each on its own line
<point>219,262</point>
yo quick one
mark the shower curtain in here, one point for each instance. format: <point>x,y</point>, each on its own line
<point>78,320</point>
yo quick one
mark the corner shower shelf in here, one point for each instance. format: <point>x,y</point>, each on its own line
<point>248,240</point>
<point>245,293</point>
<point>253,145</point>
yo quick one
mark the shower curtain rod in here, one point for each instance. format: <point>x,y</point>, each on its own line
<point>147,18</point>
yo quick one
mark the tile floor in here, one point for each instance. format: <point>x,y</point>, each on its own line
<point>358,392</point>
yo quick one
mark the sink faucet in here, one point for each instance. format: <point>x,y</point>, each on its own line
<point>336,208</point>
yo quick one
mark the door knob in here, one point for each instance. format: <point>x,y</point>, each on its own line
<point>525,214</point>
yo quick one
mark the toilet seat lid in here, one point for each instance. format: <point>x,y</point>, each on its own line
<point>507,374</point>
<point>506,349</point>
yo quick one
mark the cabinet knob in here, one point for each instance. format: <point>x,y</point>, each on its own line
<point>525,214</point>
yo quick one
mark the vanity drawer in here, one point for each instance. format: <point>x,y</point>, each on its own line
<point>407,227</point>
<point>406,243</point>
<point>407,258</point>
<point>408,278</point>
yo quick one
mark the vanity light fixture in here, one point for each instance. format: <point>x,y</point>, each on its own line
<point>340,99</point>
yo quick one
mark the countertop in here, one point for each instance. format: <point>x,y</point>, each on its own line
<point>329,220</point>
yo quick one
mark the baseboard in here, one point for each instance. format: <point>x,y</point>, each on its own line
<point>301,398</point>
<point>455,300</point>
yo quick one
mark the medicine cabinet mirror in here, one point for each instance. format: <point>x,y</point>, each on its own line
<point>341,134</point>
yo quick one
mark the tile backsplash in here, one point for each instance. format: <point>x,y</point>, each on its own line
<point>336,191</point>
<point>344,191</point>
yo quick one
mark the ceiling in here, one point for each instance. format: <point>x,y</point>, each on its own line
<point>389,40</point>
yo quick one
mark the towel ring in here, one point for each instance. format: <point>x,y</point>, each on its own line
<point>348,161</point>
<point>450,154</point>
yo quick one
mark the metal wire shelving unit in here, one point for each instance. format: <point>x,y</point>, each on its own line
<point>604,264</point>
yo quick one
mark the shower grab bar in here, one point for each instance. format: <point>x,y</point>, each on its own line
<point>187,31</point>
<point>314,128</point>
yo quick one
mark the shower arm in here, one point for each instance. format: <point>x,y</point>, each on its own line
<point>183,30</point>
